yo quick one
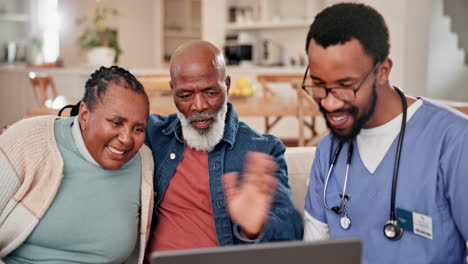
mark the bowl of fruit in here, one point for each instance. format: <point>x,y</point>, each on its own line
<point>242,88</point>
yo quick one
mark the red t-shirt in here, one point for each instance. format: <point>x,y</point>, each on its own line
<point>185,214</point>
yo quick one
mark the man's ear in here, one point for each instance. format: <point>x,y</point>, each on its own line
<point>384,71</point>
<point>228,83</point>
<point>171,84</point>
<point>83,116</point>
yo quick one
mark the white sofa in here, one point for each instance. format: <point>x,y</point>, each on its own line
<point>299,160</point>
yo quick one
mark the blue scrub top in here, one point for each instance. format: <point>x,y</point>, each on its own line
<point>432,181</point>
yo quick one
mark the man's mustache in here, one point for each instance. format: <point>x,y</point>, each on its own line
<point>200,115</point>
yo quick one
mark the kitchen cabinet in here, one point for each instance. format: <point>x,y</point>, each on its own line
<point>271,14</point>
<point>278,28</point>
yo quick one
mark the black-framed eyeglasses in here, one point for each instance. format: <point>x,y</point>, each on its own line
<point>345,92</point>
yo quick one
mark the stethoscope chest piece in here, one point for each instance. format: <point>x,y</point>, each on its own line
<point>392,231</point>
<point>345,222</point>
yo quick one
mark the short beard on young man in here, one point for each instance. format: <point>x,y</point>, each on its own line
<point>359,123</point>
<point>207,138</point>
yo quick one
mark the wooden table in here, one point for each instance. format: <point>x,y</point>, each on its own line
<point>247,107</point>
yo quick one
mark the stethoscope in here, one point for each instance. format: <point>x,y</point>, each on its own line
<point>391,229</point>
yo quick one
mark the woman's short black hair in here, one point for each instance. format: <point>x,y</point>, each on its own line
<point>97,85</point>
<point>342,22</point>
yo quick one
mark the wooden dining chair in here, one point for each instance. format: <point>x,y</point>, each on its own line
<point>40,83</point>
<point>156,85</point>
<point>307,108</point>
<point>265,81</point>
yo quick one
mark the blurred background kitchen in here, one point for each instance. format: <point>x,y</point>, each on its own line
<point>66,40</point>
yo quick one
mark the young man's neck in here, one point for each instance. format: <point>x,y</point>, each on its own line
<point>388,106</point>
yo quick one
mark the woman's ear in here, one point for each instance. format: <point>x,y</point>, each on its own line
<point>83,116</point>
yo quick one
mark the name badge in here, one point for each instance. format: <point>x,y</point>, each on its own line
<point>414,222</point>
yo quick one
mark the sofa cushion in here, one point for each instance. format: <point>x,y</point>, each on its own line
<point>299,160</point>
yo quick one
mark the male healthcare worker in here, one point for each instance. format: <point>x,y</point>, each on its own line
<point>394,169</point>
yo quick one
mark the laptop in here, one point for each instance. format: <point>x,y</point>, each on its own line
<point>293,252</point>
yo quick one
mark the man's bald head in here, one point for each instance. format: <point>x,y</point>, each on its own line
<point>200,87</point>
<point>197,58</point>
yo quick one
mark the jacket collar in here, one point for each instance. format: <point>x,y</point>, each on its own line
<point>230,129</point>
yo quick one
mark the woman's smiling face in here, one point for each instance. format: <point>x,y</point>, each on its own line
<point>114,130</point>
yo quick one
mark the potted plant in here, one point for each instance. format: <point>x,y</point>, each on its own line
<point>99,40</point>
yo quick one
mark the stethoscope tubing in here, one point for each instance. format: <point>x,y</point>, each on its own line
<point>335,156</point>
<point>396,167</point>
<point>337,209</point>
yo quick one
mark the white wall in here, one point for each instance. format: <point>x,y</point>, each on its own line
<point>409,34</point>
<point>213,21</point>
<point>447,72</point>
<point>426,60</point>
<point>416,46</point>
<point>136,29</point>
<point>158,20</point>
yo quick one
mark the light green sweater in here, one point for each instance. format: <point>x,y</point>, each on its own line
<point>109,200</point>
<point>31,167</point>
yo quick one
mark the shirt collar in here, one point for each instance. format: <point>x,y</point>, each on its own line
<point>232,126</point>
<point>230,129</point>
<point>80,145</point>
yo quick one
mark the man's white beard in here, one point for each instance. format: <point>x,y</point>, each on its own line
<point>204,139</point>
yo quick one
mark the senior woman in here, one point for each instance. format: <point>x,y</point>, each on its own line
<point>79,189</point>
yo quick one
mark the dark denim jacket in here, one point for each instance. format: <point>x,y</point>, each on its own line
<point>164,137</point>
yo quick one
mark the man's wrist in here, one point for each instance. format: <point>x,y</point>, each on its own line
<point>248,235</point>
<point>243,237</point>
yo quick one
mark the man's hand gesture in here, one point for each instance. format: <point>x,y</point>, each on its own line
<point>249,201</point>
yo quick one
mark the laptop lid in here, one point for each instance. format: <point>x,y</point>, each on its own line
<point>292,252</point>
